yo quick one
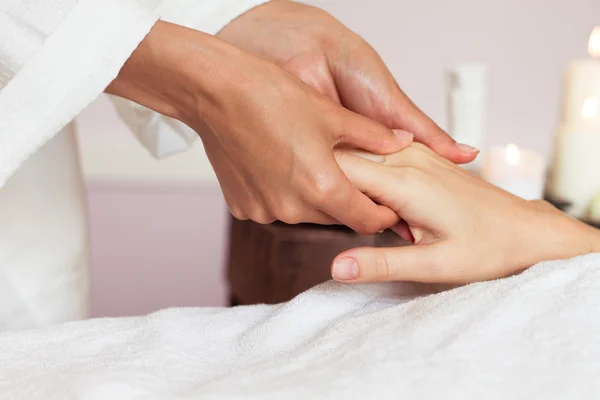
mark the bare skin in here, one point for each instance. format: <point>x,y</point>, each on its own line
<point>312,45</point>
<point>271,109</point>
<point>464,229</point>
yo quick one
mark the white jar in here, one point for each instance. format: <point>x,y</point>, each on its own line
<point>44,264</point>
<point>467,94</point>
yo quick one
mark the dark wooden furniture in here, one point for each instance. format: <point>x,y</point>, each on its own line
<point>274,263</point>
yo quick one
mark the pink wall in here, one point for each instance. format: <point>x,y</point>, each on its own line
<point>161,247</point>
<point>156,248</point>
<point>525,43</point>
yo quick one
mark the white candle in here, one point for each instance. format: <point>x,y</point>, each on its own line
<point>576,170</point>
<point>518,171</point>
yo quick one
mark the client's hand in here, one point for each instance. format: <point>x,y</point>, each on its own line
<point>463,228</point>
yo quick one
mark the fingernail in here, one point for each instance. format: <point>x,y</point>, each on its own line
<point>466,148</point>
<point>403,134</point>
<point>345,269</point>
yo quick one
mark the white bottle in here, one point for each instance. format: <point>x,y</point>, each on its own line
<point>467,93</point>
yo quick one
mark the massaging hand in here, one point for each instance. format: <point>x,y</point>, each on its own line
<point>268,135</point>
<point>463,228</point>
<point>314,46</point>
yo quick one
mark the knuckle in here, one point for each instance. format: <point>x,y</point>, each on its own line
<point>263,219</point>
<point>238,214</point>
<point>290,214</point>
<point>367,227</point>
<point>410,175</point>
<point>425,157</point>
<point>261,216</point>
<point>385,268</point>
<point>325,186</point>
<point>413,156</point>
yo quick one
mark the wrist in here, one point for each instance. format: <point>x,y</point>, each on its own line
<point>564,237</point>
<point>592,236</point>
<point>173,71</point>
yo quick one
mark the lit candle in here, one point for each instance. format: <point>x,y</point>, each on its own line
<point>576,170</point>
<point>518,171</point>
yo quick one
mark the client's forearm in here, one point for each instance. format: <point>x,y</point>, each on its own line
<point>591,237</point>
<point>562,236</point>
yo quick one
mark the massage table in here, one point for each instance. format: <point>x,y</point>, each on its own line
<point>531,336</point>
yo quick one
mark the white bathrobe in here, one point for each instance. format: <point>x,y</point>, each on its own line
<point>56,57</point>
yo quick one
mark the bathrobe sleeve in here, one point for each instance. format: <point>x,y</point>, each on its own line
<point>56,57</point>
<point>161,135</point>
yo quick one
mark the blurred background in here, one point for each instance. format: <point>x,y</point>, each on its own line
<point>159,228</point>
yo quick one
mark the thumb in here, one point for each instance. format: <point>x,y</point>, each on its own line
<point>408,116</point>
<point>361,133</point>
<point>416,263</point>
<point>367,87</point>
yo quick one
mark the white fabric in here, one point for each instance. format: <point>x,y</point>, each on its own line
<point>64,70</point>
<point>533,336</point>
<point>44,275</point>
<point>56,57</point>
<point>162,135</point>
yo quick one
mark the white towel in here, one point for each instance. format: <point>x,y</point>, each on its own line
<point>532,336</point>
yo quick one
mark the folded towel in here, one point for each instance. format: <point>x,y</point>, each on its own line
<point>529,336</point>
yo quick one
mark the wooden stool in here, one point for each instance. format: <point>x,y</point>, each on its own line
<point>274,263</point>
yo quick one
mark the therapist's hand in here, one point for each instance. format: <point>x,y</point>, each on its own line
<point>269,136</point>
<point>463,228</point>
<point>315,47</point>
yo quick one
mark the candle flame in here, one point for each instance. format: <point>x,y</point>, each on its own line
<point>594,45</point>
<point>512,154</point>
<point>591,108</point>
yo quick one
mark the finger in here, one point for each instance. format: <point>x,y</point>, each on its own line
<point>422,263</point>
<point>308,215</point>
<point>360,213</point>
<point>408,116</point>
<point>237,213</point>
<point>367,87</point>
<point>403,230</point>
<point>346,204</point>
<point>376,158</point>
<point>361,133</point>
<point>412,156</point>
<point>386,185</point>
<point>320,218</point>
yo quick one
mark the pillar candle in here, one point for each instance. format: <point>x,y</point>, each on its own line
<point>576,170</point>
<point>518,171</point>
